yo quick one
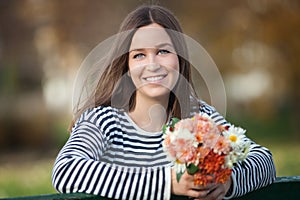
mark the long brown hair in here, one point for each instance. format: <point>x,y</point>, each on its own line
<point>116,89</point>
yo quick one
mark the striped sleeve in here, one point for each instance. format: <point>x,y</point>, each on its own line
<point>78,168</point>
<point>256,171</point>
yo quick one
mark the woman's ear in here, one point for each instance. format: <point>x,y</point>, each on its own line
<point>128,73</point>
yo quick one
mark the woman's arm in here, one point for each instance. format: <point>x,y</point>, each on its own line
<point>78,169</point>
<point>256,171</point>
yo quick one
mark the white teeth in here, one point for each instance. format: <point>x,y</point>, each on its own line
<point>154,78</point>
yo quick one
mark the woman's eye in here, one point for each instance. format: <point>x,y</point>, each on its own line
<point>163,51</point>
<point>139,55</point>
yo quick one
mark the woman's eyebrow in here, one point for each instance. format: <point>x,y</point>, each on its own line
<point>161,45</point>
<point>164,45</point>
<point>137,49</point>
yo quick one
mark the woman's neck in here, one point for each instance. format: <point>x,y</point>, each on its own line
<point>150,115</point>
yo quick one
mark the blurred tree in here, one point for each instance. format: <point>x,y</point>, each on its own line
<point>254,43</point>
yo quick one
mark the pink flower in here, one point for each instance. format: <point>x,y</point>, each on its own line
<point>204,146</point>
<point>222,146</point>
<point>185,124</point>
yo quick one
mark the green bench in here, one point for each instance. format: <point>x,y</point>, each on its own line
<point>283,188</point>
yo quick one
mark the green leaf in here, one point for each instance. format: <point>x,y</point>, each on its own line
<point>164,128</point>
<point>174,121</point>
<point>192,169</point>
<point>178,176</point>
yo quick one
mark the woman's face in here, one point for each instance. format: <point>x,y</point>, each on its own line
<point>153,62</point>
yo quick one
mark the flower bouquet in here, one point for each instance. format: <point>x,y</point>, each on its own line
<point>202,148</point>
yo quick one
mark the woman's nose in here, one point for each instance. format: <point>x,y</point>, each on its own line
<point>152,66</point>
<point>152,63</point>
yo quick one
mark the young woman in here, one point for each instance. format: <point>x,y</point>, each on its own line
<point>115,147</point>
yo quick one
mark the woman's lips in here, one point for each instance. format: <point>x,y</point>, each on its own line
<point>155,78</point>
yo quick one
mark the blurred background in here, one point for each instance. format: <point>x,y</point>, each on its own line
<point>254,43</point>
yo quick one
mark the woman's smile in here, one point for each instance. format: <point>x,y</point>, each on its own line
<point>155,78</point>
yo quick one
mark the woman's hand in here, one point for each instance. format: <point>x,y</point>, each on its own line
<point>186,187</point>
<point>216,191</point>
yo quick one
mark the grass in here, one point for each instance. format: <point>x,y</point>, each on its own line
<point>26,179</point>
<point>29,173</point>
<point>25,175</point>
<point>287,159</point>
<point>34,177</point>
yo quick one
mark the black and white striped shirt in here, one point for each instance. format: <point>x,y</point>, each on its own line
<point>107,154</point>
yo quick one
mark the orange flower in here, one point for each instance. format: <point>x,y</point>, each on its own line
<point>199,137</point>
<point>211,169</point>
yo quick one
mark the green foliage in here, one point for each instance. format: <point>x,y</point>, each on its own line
<point>174,121</point>
<point>26,179</point>
<point>178,176</point>
<point>171,126</point>
<point>192,169</point>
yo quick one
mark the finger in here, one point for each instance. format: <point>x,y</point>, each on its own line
<point>216,194</point>
<point>203,193</point>
<point>197,194</point>
<point>210,186</point>
<point>219,196</point>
